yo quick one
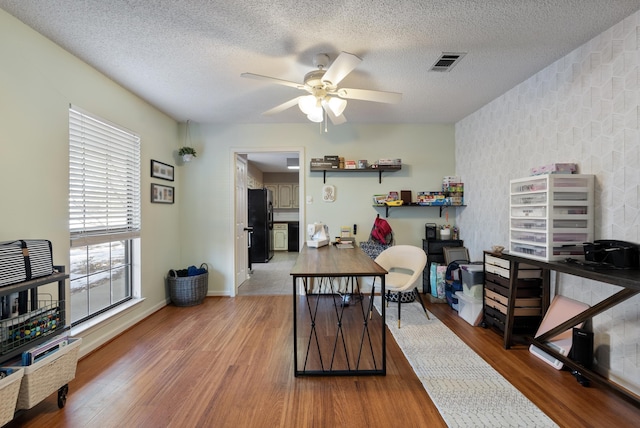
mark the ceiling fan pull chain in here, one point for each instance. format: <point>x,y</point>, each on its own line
<point>325,122</point>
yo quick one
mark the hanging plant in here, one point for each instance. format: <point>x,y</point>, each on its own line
<point>187,153</point>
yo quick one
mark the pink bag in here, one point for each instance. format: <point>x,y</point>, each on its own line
<point>381,231</point>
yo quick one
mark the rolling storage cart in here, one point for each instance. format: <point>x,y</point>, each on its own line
<point>40,319</point>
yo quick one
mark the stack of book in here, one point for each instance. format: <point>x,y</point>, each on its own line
<point>45,349</point>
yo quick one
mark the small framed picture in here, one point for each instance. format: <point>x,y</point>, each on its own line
<point>161,170</point>
<point>328,193</point>
<point>162,194</point>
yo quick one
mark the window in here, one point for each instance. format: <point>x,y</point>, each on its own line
<point>104,213</point>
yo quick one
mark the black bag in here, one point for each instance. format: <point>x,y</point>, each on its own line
<point>23,260</point>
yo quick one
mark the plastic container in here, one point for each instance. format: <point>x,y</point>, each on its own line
<point>469,308</point>
<point>472,280</point>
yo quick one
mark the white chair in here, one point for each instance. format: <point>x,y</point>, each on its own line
<point>404,263</point>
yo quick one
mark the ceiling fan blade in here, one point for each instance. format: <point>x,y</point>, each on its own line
<point>336,120</point>
<point>282,107</point>
<point>273,80</point>
<point>369,95</point>
<point>341,66</point>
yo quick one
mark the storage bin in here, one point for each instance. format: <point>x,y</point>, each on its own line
<point>529,199</point>
<point>539,224</point>
<point>531,211</point>
<point>9,388</point>
<point>188,290</point>
<point>529,249</point>
<point>529,185</point>
<point>539,237</point>
<point>469,308</point>
<point>472,280</point>
<point>48,375</point>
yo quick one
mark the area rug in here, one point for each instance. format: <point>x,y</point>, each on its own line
<point>467,391</point>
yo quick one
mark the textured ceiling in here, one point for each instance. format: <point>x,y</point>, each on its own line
<point>185,57</point>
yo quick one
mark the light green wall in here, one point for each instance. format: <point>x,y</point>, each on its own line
<point>427,152</point>
<point>38,81</point>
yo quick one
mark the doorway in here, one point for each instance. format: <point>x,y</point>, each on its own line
<point>270,161</point>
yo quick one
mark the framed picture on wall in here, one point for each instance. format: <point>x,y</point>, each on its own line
<point>162,194</point>
<point>161,170</point>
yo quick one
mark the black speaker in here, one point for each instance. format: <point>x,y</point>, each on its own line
<point>430,230</point>
<point>582,347</point>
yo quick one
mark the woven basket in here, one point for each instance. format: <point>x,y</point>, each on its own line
<point>45,377</point>
<point>188,290</point>
<point>9,388</point>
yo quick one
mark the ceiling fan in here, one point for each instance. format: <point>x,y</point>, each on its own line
<point>325,98</point>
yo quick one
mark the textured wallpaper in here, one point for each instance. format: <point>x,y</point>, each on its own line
<point>585,109</point>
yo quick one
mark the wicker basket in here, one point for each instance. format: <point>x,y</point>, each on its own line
<point>45,377</point>
<point>9,388</point>
<point>188,290</point>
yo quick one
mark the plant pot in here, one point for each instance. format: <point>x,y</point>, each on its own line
<point>187,158</point>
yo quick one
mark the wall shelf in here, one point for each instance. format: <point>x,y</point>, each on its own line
<point>379,170</point>
<point>414,204</point>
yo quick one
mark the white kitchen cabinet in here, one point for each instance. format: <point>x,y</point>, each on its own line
<point>551,216</point>
<point>285,195</point>
<point>296,196</point>
<point>274,193</point>
<point>280,237</point>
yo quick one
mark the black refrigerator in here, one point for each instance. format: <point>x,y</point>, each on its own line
<point>260,204</point>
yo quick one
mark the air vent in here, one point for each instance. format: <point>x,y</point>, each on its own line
<point>447,61</point>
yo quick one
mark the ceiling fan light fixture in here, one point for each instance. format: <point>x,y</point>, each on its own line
<point>316,115</point>
<point>337,105</point>
<point>307,104</point>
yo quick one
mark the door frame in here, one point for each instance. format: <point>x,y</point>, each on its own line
<point>236,151</point>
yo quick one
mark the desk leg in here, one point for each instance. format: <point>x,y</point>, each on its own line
<point>366,314</point>
<point>295,328</point>
<point>343,326</point>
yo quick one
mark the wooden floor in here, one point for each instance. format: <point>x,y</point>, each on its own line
<point>229,363</point>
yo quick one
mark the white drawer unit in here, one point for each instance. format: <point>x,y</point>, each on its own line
<point>551,216</point>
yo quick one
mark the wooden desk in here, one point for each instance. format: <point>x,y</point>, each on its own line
<point>335,339</point>
<point>628,279</point>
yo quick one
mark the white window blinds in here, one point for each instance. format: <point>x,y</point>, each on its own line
<point>104,181</point>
